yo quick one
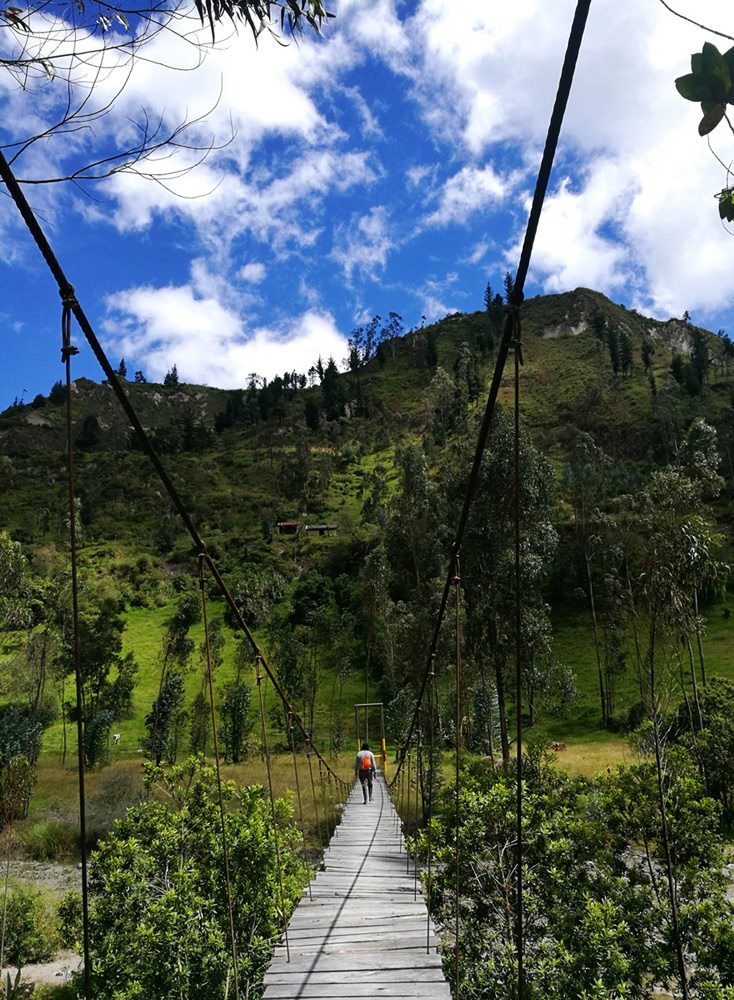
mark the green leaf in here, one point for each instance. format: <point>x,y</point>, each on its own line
<point>693,87</point>
<point>726,204</point>
<point>697,63</point>
<point>710,120</point>
<point>729,60</point>
<point>714,64</point>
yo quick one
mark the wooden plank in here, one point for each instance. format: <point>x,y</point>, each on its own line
<point>389,963</point>
<point>332,991</point>
<point>351,976</point>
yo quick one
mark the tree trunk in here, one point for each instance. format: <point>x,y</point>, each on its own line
<point>597,650</point>
<point>635,636</point>
<point>694,683</point>
<point>665,827</point>
<point>699,641</point>
<point>501,709</point>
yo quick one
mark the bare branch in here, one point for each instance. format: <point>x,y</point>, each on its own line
<point>697,24</point>
<point>83,46</point>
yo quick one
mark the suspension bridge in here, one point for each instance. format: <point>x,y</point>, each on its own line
<point>362,927</point>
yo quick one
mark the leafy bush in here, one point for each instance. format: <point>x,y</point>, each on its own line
<point>17,778</point>
<point>597,914</point>
<point>30,929</point>
<point>158,916</point>
<point>71,928</point>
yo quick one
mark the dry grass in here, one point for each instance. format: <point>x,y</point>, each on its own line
<point>56,794</point>
<point>587,758</point>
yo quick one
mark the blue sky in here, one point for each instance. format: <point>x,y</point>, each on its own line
<point>385,167</point>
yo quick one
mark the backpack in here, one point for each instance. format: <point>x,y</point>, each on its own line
<point>366,763</point>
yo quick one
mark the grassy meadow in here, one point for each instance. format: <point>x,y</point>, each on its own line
<point>587,748</point>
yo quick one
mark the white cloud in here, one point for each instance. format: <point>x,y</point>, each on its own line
<point>253,273</point>
<point>273,211</point>
<point>479,252</point>
<point>375,26</point>
<point>570,248</point>
<point>419,174</point>
<point>474,76</point>
<point>433,298</point>
<point>468,192</point>
<point>636,213</point>
<point>208,342</point>
<point>371,127</point>
<point>363,244</point>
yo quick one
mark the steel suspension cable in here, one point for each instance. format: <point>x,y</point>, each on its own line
<point>323,800</point>
<point>419,787</point>
<point>67,352</point>
<point>431,785</point>
<point>417,792</point>
<point>517,515</point>
<point>298,792</point>
<point>315,799</point>
<point>276,835</point>
<point>222,815</point>
<point>408,793</point>
<point>457,777</point>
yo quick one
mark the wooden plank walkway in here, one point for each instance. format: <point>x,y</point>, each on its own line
<point>363,931</point>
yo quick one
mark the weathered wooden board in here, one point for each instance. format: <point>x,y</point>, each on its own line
<point>312,990</point>
<point>362,930</point>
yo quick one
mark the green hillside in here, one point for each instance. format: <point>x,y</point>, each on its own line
<point>329,502</point>
<point>330,449</point>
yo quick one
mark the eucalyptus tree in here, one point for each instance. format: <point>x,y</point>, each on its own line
<point>675,555</point>
<point>415,544</point>
<point>488,557</point>
<point>236,722</point>
<point>107,676</point>
<point>165,721</point>
<point>412,532</point>
<point>16,590</point>
<point>586,475</point>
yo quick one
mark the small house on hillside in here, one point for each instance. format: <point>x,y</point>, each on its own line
<point>320,529</point>
<point>288,527</point>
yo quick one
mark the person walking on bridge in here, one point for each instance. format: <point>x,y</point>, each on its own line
<point>364,769</point>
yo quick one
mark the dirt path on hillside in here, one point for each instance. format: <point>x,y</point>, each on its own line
<point>47,973</point>
<point>58,877</point>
